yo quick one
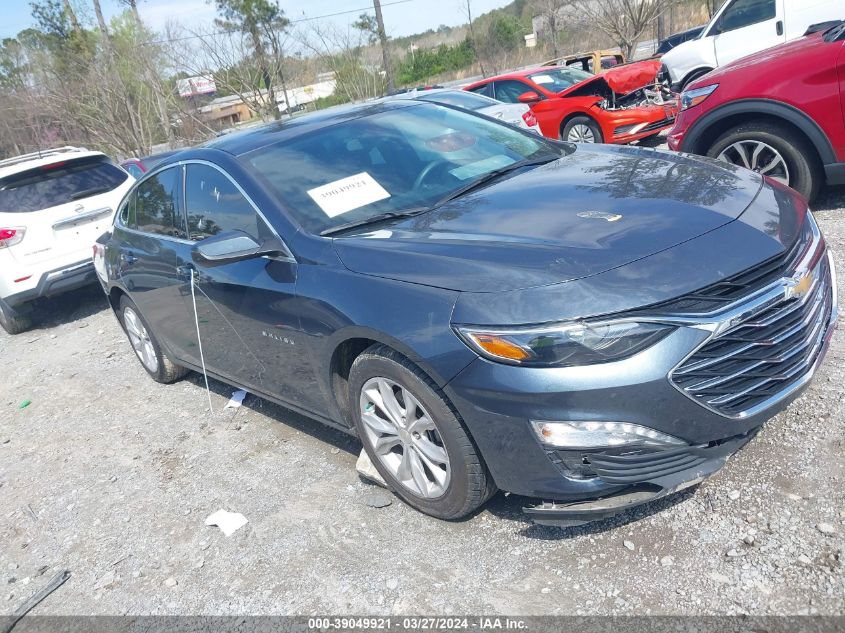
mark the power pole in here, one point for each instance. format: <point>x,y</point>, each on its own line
<point>385,54</point>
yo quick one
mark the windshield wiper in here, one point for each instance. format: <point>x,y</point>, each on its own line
<point>375,219</point>
<point>93,191</point>
<point>490,177</point>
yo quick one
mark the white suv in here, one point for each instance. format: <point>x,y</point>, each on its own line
<point>54,204</point>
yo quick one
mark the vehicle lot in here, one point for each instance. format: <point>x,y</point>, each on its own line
<point>111,475</point>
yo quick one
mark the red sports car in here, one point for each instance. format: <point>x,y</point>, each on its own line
<point>620,105</point>
<point>779,112</point>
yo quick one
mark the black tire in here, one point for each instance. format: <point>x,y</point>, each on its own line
<point>13,321</point>
<point>697,74</point>
<point>805,172</point>
<point>582,120</point>
<point>470,484</point>
<point>166,371</point>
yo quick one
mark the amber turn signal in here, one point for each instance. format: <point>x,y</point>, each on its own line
<point>498,346</point>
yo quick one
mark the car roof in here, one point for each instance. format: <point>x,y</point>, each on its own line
<point>17,164</point>
<point>515,74</point>
<point>239,143</point>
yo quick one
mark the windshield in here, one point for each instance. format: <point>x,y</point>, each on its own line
<point>557,79</point>
<point>460,99</point>
<point>388,162</point>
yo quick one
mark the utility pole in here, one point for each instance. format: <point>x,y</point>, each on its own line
<point>385,54</point>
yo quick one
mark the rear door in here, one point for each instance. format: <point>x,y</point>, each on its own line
<point>747,26</point>
<point>64,207</point>
<point>149,235</point>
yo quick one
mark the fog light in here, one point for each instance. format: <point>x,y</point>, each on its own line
<point>577,434</point>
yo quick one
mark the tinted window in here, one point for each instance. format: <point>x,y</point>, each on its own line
<point>509,91</point>
<point>215,205</point>
<point>460,99</point>
<point>486,90</point>
<point>557,79</point>
<point>393,160</point>
<point>745,13</point>
<point>59,183</point>
<point>156,207</point>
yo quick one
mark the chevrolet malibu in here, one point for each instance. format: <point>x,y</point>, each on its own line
<point>588,326</point>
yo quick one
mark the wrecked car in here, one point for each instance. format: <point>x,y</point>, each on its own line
<point>623,104</point>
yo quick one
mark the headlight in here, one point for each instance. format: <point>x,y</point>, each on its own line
<point>564,345</point>
<point>692,98</point>
<point>600,435</point>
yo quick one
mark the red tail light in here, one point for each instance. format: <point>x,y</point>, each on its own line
<point>529,118</point>
<point>11,236</point>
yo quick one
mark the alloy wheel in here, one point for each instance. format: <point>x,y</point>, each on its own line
<point>580,133</point>
<point>404,438</point>
<point>140,339</point>
<point>758,157</point>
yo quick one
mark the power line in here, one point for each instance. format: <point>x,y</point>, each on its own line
<point>296,21</point>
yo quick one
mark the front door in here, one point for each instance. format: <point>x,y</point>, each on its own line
<point>248,321</point>
<point>748,26</point>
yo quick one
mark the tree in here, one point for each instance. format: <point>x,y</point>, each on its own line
<point>385,53</point>
<point>550,13</point>
<point>625,21</point>
<point>263,21</point>
<point>467,6</point>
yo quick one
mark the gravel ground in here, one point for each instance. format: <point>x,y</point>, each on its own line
<point>111,475</point>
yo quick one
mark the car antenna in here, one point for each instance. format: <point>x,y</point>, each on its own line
<point>199,342</point>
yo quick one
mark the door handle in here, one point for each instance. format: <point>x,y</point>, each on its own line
<point>128,258</point>
<point>779,27</point>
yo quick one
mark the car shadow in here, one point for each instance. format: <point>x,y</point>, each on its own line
<point>68,307</point>
<point>830,199</point>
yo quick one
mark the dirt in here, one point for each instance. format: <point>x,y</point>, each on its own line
<point>112,476</point>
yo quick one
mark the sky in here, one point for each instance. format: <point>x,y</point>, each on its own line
<point>405,17</point>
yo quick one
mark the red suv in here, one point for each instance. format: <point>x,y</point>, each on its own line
<point>780,112</point>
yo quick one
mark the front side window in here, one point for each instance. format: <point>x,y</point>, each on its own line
<point>156,205</point>
<point>558,79</point>
<point>389,161</point>
<point>215,205</point>
<point>62,182</point>
<point>509,91</point>
<point>744,13</point>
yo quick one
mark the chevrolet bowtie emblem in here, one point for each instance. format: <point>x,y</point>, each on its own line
<point>600,215</point>
<point>802,285</point>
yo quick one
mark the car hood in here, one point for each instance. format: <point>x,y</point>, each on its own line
<point>598,208</point>
<point>623,79</point>
<point>773,57</point>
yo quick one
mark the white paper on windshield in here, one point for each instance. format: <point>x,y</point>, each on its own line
<point>542,79</point>
<point>481,167</point>
<point>346,194</point>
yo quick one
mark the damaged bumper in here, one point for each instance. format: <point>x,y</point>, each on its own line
<point>646,475</point>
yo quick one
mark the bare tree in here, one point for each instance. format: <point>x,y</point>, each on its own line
<point>551,14</point>
<point>625,21</point>
<point>467,7</point>
<point>385,51</point>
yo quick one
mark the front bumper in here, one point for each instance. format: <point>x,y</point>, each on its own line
<point>57,281</point>
<point>498,402</point>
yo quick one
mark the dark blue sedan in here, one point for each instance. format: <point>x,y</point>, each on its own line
<point>589,326</point>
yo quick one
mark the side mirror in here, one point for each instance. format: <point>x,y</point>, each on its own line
<point>528,97</point>
<point>233,246</point>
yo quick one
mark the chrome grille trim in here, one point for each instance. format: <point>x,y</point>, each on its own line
<point>764,348</point>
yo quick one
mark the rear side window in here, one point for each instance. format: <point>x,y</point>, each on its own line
<point>485,90</point>
<point>154,207</point>
<point>215,205</point>
<point>59,183</point>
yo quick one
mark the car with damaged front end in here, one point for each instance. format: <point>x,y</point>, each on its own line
<point>593,327</point>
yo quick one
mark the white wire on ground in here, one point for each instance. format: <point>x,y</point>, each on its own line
<point>199,342</point>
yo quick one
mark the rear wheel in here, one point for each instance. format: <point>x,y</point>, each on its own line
<point>146,346</point>
<point>772,150</point>
<point>414,437</point>
<point>13,321</point>
<point>581,129</point>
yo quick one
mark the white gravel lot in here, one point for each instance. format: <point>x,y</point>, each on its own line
<point>111,475</point>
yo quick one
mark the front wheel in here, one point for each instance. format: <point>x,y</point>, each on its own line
<point>414,437</point>
<point>146,345</point>
<point>771,150</point>
<point>581,129</point>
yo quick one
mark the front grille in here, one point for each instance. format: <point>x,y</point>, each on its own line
<point>658,125</point>
<point>763,355</point>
